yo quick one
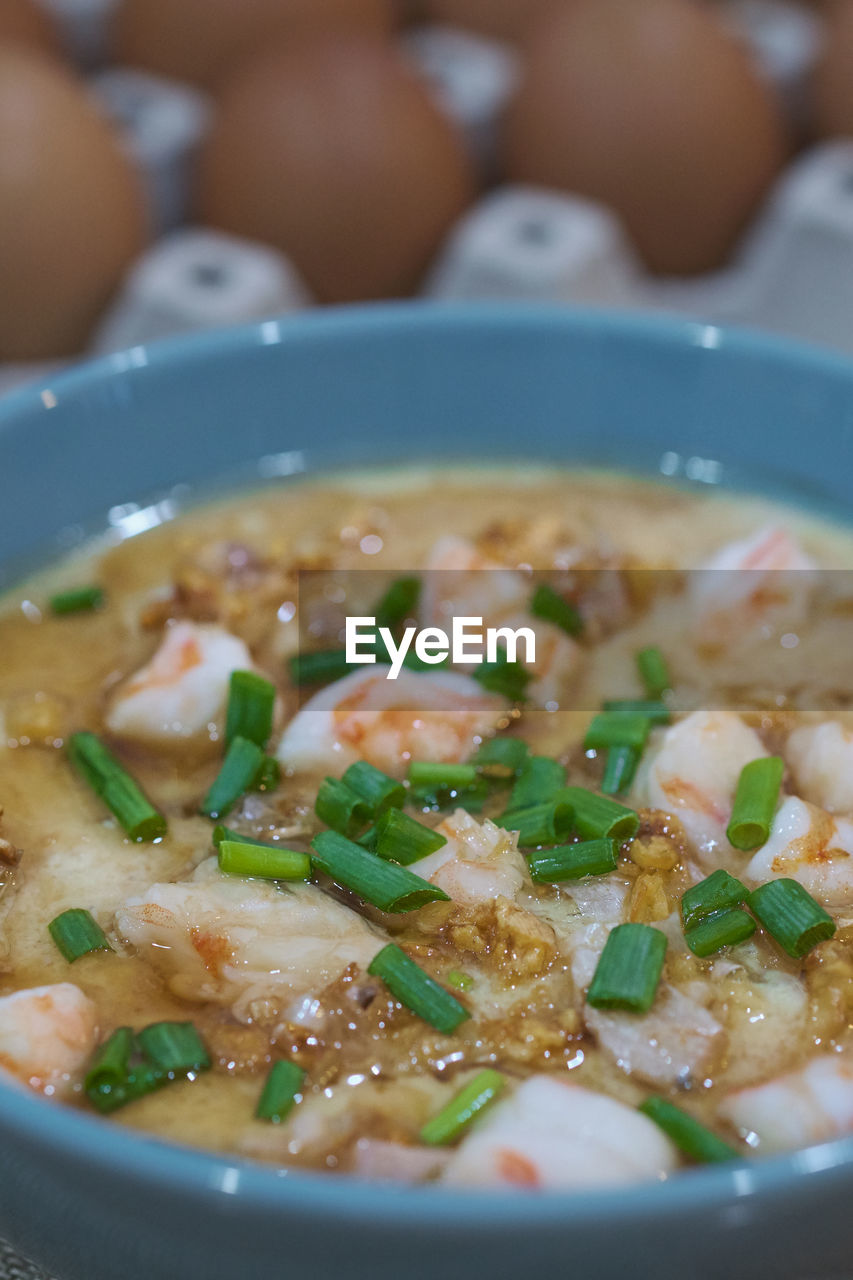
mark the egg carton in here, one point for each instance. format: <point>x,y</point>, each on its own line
<point>792,272</point>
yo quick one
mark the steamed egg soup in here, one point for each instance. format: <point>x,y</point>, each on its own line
<point>574,909</point>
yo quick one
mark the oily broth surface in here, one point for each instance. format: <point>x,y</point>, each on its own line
<point>54,678</point>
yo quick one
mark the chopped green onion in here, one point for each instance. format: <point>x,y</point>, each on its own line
<point>615,729</point>
<point>722,929</point>
<point>251,702</point>
<point>461,981</point>
<point>174,1048</point>
<point>573,861</point>
<point>399,602</point>
<point>442,777</point>
<point>76,933</point>
<point>97,765</point>
<point>755,802</point>
<point>689,1135</point>
<point>374,788</point>
<point>321,667</point>
<point>619,770</point>
<point>243,762</point>
<point>385,885</point>
<point>509,679</point>
<point>109,1067</point>
<point>237,858</point>
<point>269,776</point>
<point>142,1079</point>
<point>502,757</point>
<point>651,708</point>
<point>341,808</point>
<point>540,781</point>
<point>791,916</point>
<point>414,988</point>
<point>221,833</point>
<point>402,839</point>
<point>629,969</point>
<point>654,672</point>
<point>719,892</point>
<point>472,799</point>
<point>460,1113</point>
<point>547,823</point>
<point>78,600</point>
<point>550,606</point>
<point>283,1084</point>
<point>597,817</point>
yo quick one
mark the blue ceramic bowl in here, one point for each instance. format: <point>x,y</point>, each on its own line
<point>93,1202</point>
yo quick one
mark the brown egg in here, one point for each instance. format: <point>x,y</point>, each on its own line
<point>506,19</point>
<point>833,80</point>
<point>203,40</point>
<point>25,22</point>
<point>71,211</point>
<point>333,151</point>
<point>652,108</point>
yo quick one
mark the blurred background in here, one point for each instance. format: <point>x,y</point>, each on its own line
<point>168,165</point>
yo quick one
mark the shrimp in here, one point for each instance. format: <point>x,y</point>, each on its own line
<point>765,1014</point>
<point>480,861</point>
<point>694,774</point>
<point>437,716</point>
<point>760,580</point>
<point>671,1044</point>
<point>462,582</point>
<point>811,846</point>
<point>821,757</point>
<point>47,1035</point>
<point>811,1105</point>
<point>183,689</point>
<point>234,941</point>
<point>552,1134</point>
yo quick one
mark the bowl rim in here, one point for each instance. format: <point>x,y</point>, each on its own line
<point>204,1175</point>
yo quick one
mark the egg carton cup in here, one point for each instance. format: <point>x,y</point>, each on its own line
<point>792,272</point>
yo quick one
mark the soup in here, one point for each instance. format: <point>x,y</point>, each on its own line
<point>577,912</point>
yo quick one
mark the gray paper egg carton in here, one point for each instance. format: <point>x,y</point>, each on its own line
<point>792,272</point>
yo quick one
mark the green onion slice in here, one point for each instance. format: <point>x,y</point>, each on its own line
<point>461,1112</point>
<point>573,861</point>
<point>629,969</point>
<point>78,600</point>
<point>399,602</point>
<point>689,1135</point>
<point>755,802</point>
<point>722,929</point>
<point>619,770</point>
<point>251,702</point>
<point>321,667</point>
<point>597,817</point>
<point>402,839</point>
<point>540,780</point>
<point>442,777</point>
<point>375,789</point>
<point>654,672</point>
<point>460,980</point>
<point>221,833</point>
<point>76,934</point>
<point>283,1085</point>
<point>649,708</point>
<point>509,679</point>
<point>791,916</point>
<point>502,757</point>
<point>550,606</point>
<point>269,776</point>
<point>174,1048</point>
<point>615,729</point>
<point>237,858</point>
<point>385,885</point>
<point>109,1067</point>
<point>719,892</point>
<point>241,767</point>
<point>547,823</point>
<point>97,765</point>
<point>341,808</point>
<point>414,988</point>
